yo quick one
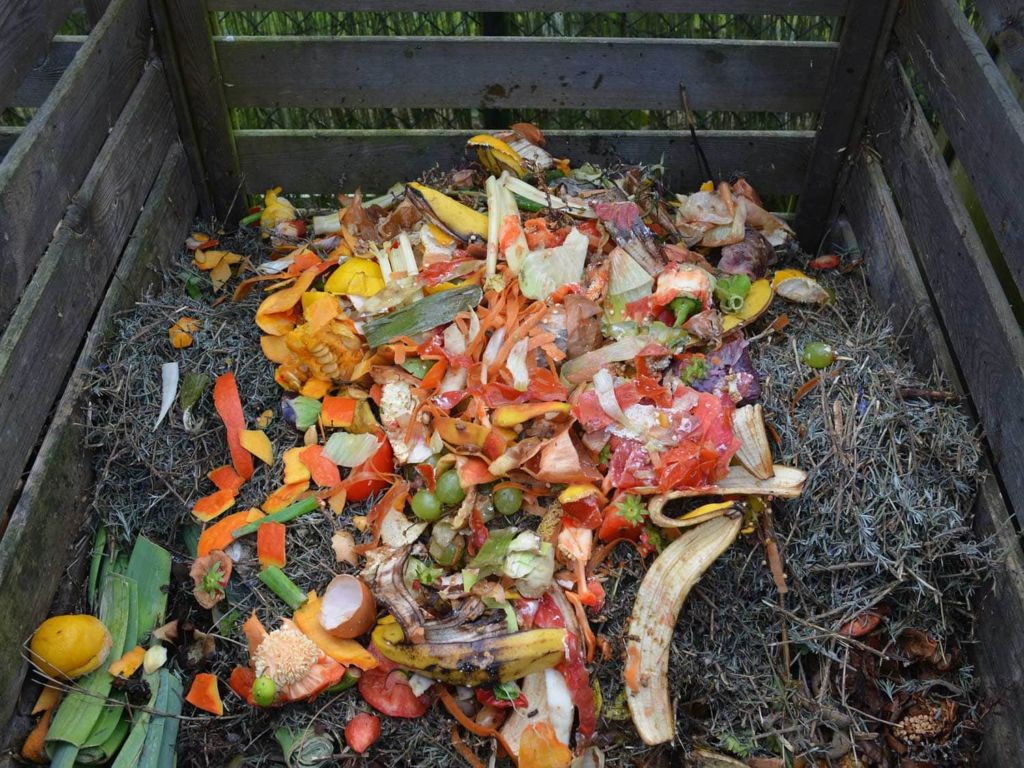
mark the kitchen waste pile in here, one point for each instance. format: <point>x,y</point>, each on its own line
<point>428,479</point>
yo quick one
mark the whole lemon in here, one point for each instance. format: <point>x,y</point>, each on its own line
<point>70,646</point>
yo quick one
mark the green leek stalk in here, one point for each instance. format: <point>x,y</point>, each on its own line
<point>167,756</point>
<point>283,587</point>
<point>150,567</point>
<point>99,544</point>
<point>82,708</point>
<point>292,511</point>
<point>105,752</point>
<point>430,312</point>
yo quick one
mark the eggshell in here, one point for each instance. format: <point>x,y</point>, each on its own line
<point>347,608</point>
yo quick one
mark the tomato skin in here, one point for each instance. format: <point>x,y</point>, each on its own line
<point>615,526</point>
<point>573,667</point>
<point>386,690</point>
<point>383,461</point>
<point>583,513</point>
<point>487,698</point>
<point>362,731</point>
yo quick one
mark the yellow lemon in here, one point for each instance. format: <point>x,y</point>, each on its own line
<point>70,646</point>
<point>356,277</point>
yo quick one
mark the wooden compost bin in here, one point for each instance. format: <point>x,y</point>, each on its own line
<point>132,137</point>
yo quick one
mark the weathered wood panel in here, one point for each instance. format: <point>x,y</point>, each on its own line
<point>983,331</point>
<point>896,283</point>
<point>47,164</point>
<point>59,485</point>
<point>1004,20</point>
<point>45,73</point>
<point>513,72</point>
<point>26,26</point>
<point>8,135</point>
<point>188,33</point>
<point>329,161</point>
<point>894,276</point>
<point>865,35</point>
<point>802,7</point>
<point>46,330</point>
<point>979,113</point>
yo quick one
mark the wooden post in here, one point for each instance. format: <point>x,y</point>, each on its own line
<point>186,35</point>
<point>866,29</point>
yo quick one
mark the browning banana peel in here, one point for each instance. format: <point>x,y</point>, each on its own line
<point>661,596</point>
<point>480,662</point>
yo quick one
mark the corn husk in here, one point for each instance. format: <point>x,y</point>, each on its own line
<point>754,452</point>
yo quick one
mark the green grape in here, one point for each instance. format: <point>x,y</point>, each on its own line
<point>818,354</point>
<point>508,501</point>
<point>448,489</point>
<point>264,691</point>
<point>426,506</point>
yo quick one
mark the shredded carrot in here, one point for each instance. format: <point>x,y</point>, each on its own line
<point>463,749</point>
<point>229,407</point>
<point>472,726</point>
<point>589,641</point>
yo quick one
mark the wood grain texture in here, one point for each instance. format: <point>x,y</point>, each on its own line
<point>45,73</point>
<point>204,89</point>
<point>61,476</point>
<point>1004,20</point>
<point>46,331</point>
<point>864,38</point>
<point>978,111</point>
<point>42,171</point>
<point>514,72</point>
<point>979,322</point>
<point>26,27</point>
<point>801,7</point>
<point>897,285</point>
<point>330,161</point>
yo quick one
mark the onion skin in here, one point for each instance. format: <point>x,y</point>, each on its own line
<point>661,596</point>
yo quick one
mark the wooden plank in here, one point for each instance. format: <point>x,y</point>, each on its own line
<point>1004,20</point>
<point>865,34</point>
<point>44,75</point>
<point>893,273</point>
<point>896,283</point>
<point>189,33</point>
<point>61,475</point>
<point>514,72</point>
<point>979,113</point>
<point>47,164</point>
<point>788,7</point>
<point>26,27</point>
<point>46,331</point>
<point>983,331</point>
<point>328,161</point>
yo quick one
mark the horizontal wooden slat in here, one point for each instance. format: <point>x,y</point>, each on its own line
<point>515,72</point>
<point>978,320</point>
<point>47,329</point>
<point>979,112</point>
<point>47,164</point>
<point>325,162</point>
<point>61,475</point>
<point>1004,20</point>
<point>896,284</point>
<point>26,26</point>
<point>47,71</point>
<point>789,7</point>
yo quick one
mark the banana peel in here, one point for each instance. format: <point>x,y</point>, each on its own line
<point>458,220</point>
<point>497,156</point>
<point>756,303</point>
<point>662,594</point>
<point>488,661</point>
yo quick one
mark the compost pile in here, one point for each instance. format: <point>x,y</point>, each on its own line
<point>426,480</point>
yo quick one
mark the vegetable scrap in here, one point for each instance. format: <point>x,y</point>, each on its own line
<point>516,422</point>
